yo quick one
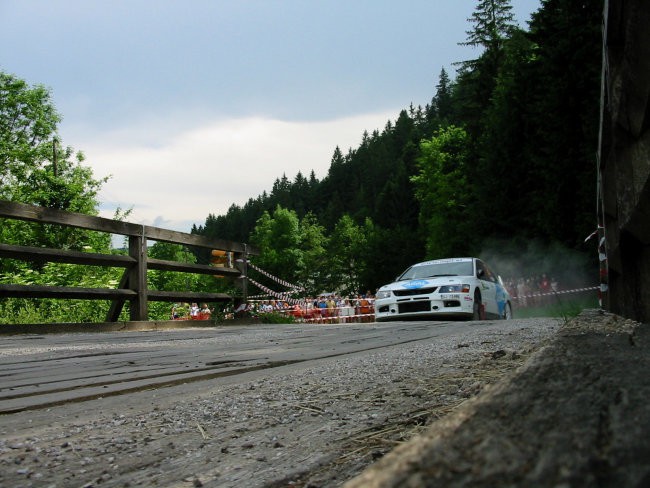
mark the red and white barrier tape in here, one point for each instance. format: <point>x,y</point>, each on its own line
<point>322,315</point>
<point>281,296</point>
<point>328,315</point>
<point>559,292</point>
<point>275,278</point>
<point>335,318</point>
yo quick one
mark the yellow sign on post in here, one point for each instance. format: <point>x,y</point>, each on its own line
<point>221,259</point>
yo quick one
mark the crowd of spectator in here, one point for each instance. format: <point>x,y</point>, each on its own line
<point>328,307</point>
<point>186,311</point>
<point>532,291</point>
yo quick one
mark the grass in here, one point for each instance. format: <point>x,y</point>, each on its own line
<point>561,306</point>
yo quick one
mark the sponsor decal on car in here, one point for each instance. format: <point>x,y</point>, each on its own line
<point>415,284</point>
<point>445,261</point>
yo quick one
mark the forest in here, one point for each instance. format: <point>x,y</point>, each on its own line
<point>500,164</point>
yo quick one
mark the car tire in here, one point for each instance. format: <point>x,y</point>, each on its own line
<point>507,312</point>
<point>476,315</point>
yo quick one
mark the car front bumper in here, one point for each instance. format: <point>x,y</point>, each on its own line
<point>451,306</point>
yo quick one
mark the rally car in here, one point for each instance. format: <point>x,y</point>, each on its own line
<point>463,288</point>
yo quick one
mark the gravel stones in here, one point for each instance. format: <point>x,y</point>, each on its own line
<point>318,425</point>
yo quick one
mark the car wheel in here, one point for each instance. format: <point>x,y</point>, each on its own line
<point>507,312</point>
<point>477,306</point>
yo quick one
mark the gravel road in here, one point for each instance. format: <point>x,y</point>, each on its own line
<point>316,424</point>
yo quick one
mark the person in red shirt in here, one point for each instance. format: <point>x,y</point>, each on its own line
<point>545,288</point>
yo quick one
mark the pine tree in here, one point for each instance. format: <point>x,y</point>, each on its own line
<point>493,22</point>
<point>442,102</point>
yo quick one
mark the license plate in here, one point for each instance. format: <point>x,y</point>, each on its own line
<point>450,297</point>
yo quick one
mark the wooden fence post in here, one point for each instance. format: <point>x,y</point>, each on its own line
<point>138,277</point>
<point>241,263</point>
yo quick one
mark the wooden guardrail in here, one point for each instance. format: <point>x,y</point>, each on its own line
<point>133,285</point>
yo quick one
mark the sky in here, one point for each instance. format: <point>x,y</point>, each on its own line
<point>192,106</point>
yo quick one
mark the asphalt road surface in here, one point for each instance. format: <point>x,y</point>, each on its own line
<point>262,405</point>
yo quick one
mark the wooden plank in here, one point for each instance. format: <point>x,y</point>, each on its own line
<point>114,311</point>
<point>163,265</point>
<point>180,296</point>
<point>66,292</point>
<point>34,213</point>
<point>165,235</point>
<point>27,253</point>
<point>63,292</point>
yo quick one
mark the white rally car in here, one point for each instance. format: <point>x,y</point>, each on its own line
<point>444,288</point>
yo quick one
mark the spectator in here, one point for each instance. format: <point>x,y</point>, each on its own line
<point>555,287</point>
<point>205,313</point>
<point>544,288</point>
<point>522,291</point>
<point>346,310</point>
<point>241,310</point>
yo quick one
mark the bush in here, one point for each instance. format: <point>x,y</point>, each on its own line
<point>276,318</point>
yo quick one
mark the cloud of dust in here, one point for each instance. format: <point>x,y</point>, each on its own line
<point>570,268</point>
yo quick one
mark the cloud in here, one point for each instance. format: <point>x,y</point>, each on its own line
<point>173,181</point>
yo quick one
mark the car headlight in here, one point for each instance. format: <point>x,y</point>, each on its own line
<point>382,294</point>
<point>464,288</point>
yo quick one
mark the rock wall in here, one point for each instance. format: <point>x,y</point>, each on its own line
<point>624,162</point>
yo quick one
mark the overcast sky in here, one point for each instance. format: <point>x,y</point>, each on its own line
<point>194,105</point>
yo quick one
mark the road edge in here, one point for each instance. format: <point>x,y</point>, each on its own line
<point>576,413</point>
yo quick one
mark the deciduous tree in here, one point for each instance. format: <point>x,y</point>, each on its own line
<point>445,194</point>
<point>35,168</point>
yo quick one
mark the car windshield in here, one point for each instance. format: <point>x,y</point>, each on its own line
<point>431,270</point>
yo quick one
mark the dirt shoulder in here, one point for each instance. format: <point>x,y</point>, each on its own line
<point>577,414</point>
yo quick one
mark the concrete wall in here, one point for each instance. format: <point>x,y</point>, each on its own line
<point>624,162</point>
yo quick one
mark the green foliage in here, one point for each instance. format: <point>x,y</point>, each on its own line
<point>492,22</point>
<point>21,311</point>
<point>445,193</point>
<point>28,124</point>
<point>346,254</point>
<point>301,253</point>
<point>442,106</point>
<point>279,238</point>
<point>171,280</point>
<point>276,318</point>
<point>292,248</point>
<point>36,169</point>
<point>313,245</point>
<point>565,307</point>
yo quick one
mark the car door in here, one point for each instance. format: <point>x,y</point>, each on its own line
<point>488,285</point>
